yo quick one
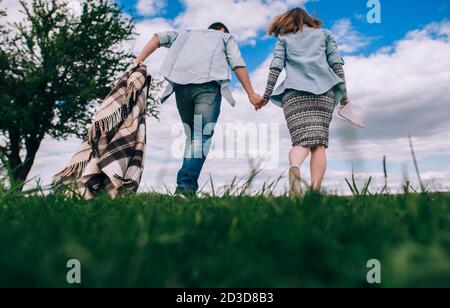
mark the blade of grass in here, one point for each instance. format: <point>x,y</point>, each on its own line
<point>416,165</point>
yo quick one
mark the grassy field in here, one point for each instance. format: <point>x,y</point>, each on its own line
<point>162,241</point>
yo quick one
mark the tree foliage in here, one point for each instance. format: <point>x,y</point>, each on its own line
<point>54,66</point>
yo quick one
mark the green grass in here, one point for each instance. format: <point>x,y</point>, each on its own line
<point>162,241</point>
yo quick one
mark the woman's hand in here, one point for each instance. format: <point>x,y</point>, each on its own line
<point>263,103</point>
<point>344,101</point>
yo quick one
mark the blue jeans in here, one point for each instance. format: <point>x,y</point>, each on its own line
<point>199,109</point>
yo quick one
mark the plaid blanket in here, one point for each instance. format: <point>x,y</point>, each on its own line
<point>111,159</point>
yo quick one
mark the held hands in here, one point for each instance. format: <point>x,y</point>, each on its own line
<point>257,101</point>
<point>263,103</point>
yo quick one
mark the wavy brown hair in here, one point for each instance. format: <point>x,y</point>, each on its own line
<point>292,22</point>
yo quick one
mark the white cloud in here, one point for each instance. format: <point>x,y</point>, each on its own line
<point>404,86</point>
<point>440,30</point>
<point>150,7</point>
<point>406,89</point>
<point>348,38</point>
<point>246,19</point>
<point>145,31</point>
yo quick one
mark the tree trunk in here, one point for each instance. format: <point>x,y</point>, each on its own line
<point>32,146</point>
<point>14,160</point>
<point>19,169</point>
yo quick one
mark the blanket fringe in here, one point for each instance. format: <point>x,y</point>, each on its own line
<point>103,130</point>
<point>72,171</point>
<point>132,91</point>
<point>103,126</point>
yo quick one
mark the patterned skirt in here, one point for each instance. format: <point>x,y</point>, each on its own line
<point>308,117</point>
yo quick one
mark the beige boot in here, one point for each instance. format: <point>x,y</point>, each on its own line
<point>295,187</point>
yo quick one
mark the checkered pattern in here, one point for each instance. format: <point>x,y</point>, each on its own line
<point>111,159</point>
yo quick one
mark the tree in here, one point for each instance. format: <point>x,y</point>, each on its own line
<point>54,68</point>
<point>2,14</point>
<point>3,33</point>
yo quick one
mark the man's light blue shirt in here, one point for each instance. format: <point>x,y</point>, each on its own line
<point>200,56</point>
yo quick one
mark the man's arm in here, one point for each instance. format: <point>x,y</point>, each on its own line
<point>244,79</point>
<point>148,50</point>
<point>162,39</point>
<point>237,64</point>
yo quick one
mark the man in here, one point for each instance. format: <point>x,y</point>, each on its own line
<point>196,68</point>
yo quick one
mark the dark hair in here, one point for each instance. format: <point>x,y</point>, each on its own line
<point>292,22</point>
<point>219,26</point>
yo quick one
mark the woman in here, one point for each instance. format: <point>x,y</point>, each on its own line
<point>314,85</point>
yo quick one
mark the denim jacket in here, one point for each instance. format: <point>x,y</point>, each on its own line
<point>199,56</point>
<point>307,57</point>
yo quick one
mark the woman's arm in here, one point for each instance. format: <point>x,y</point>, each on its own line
<point>277,65</point>
<point>332,50</point>
<point>271,82</point>
<point>338,69</point>
<point>336,62</point>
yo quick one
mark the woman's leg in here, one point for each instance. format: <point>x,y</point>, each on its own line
<point>296,158</point>
<point>298,155</point>
<point>318,166</point>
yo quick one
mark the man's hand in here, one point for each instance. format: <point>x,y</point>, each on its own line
<point>255,99</point>
<point>344,101</point>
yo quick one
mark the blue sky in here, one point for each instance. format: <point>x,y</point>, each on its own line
<point>399,70</point>
<point>398,17</point>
